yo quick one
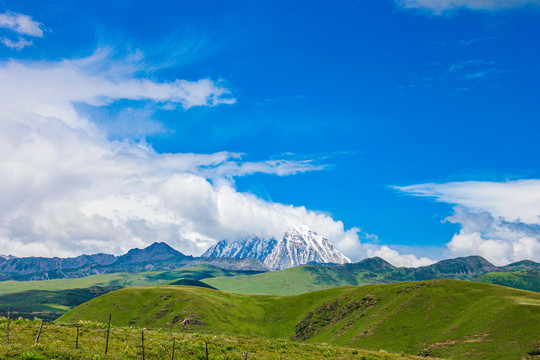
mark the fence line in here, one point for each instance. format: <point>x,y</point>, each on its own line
<point>112,336</point>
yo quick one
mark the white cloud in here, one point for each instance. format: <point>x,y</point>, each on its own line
<point>440,6</point>
<point>396,258</point>
<point>22,24</point>
<point>66,188</point>
<point>17,45</point>
<point>499,220</point>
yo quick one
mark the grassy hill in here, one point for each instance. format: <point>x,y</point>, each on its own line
<point>446,318</point>
<point>51,298</point>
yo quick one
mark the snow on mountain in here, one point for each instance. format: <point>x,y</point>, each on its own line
<point>297,247</point>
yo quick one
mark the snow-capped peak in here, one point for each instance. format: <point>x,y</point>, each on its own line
<point>298,246</point>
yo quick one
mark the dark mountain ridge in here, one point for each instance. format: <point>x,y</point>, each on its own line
<point>156,257</point>
<point>160,256</point>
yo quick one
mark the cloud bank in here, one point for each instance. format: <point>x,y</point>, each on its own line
<point>499,220</point>
<point>440,6</point>
<point>67,188</point>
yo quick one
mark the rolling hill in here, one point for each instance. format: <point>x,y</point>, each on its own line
<point>446,318</point>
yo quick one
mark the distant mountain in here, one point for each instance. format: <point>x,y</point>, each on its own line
<point>157,252</point>
<point>463,268</point>
<point>30,265</point>
<point>375,271</point>
<point>523,265</point>
<point>297,247</point>
<point>374,264</point>
<point>156,257</point>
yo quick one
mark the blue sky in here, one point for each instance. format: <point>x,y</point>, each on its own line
<point>404,129</point>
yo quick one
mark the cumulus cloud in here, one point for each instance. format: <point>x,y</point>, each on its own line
<point>67,188</point>
<point>499,220</point>
<point>440,6</point>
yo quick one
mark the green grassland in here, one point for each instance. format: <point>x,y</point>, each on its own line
<point>445,318</point>
<point>294,281</point>
<point>58,342</point>
<point>51,298</point>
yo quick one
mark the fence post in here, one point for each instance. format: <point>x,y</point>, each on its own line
<point>142,340</point>
<point>206,345</point>
<point>173,343</point>
<point>108,330</point>
<point>245,356</point>
<point>77,339</point>
<point>39,332</point>
<point>7,332</point>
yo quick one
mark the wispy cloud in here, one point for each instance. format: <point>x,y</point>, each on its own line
<point>22,25</point>
<point>438,7</point>
<point>17,45</point>
<point>499,220</point>
<point>467,64</point>
<point>456,78</point>
<point>470,42</point>
<point>472,69</point>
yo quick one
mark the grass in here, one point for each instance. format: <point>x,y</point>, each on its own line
<point>446,318</point>
<point>58,342</point>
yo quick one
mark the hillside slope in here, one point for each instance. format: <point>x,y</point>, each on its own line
<point>446,318</point>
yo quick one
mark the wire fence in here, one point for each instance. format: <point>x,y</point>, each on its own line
<point>40,340</point>
<point>27,339</point>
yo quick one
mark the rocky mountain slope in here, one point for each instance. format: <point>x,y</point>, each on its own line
<point>297,247</point>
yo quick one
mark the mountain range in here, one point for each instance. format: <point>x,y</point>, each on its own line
<point>523,275</point>
<point>156,257</point>
<point>325,268</point>
<point>297,246</point>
